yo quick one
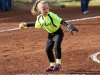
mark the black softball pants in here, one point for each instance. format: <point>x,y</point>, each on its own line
<point>54,41</point>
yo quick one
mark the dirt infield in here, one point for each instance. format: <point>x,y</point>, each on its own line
<point>22,52</point>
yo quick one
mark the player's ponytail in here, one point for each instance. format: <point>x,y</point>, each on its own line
<point>34,9</point>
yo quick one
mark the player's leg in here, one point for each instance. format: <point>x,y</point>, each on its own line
<point>58,40</point>
<point>6,5</point>
<point>87,2</point>
<point>2,5</point>
<point>84,6</point>
<point>49,52</point>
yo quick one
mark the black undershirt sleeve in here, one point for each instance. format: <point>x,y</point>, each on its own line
<point>63,23</point>
<point>31,24</point>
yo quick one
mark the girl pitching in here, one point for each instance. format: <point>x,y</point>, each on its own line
<point>51,23</point>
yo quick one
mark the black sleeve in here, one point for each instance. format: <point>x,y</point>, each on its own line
<point>31,24</point>
<point>63,23</point>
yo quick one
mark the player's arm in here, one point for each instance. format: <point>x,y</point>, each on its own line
<point>70,27</point>
<point>30,24</point>
<point>63,23</point>
<point>24,24</point>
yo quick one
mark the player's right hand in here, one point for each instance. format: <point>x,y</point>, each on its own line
<point>22,25</point>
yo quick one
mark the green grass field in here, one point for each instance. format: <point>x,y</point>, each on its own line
<point>77,3</point>
<point>22,1</point>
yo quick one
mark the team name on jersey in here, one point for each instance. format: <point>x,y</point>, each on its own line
<point>46,24</point>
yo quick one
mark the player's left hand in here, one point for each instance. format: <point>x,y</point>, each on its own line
<point>71,28</point>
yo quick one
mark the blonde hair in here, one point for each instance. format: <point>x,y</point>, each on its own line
<point>34,9</point>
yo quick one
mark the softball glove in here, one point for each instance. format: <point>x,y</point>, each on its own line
<point>71,28</point>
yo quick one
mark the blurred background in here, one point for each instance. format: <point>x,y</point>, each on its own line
<point>55,2</point>
<point>59,2</point>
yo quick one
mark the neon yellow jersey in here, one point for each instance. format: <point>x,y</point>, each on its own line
<point>51,22</point>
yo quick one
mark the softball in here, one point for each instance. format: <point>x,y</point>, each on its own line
<point>22,25</point>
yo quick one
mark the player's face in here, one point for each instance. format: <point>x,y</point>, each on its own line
<point>44,9</point>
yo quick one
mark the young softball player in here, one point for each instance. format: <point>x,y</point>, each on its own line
<point>52,24</point>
